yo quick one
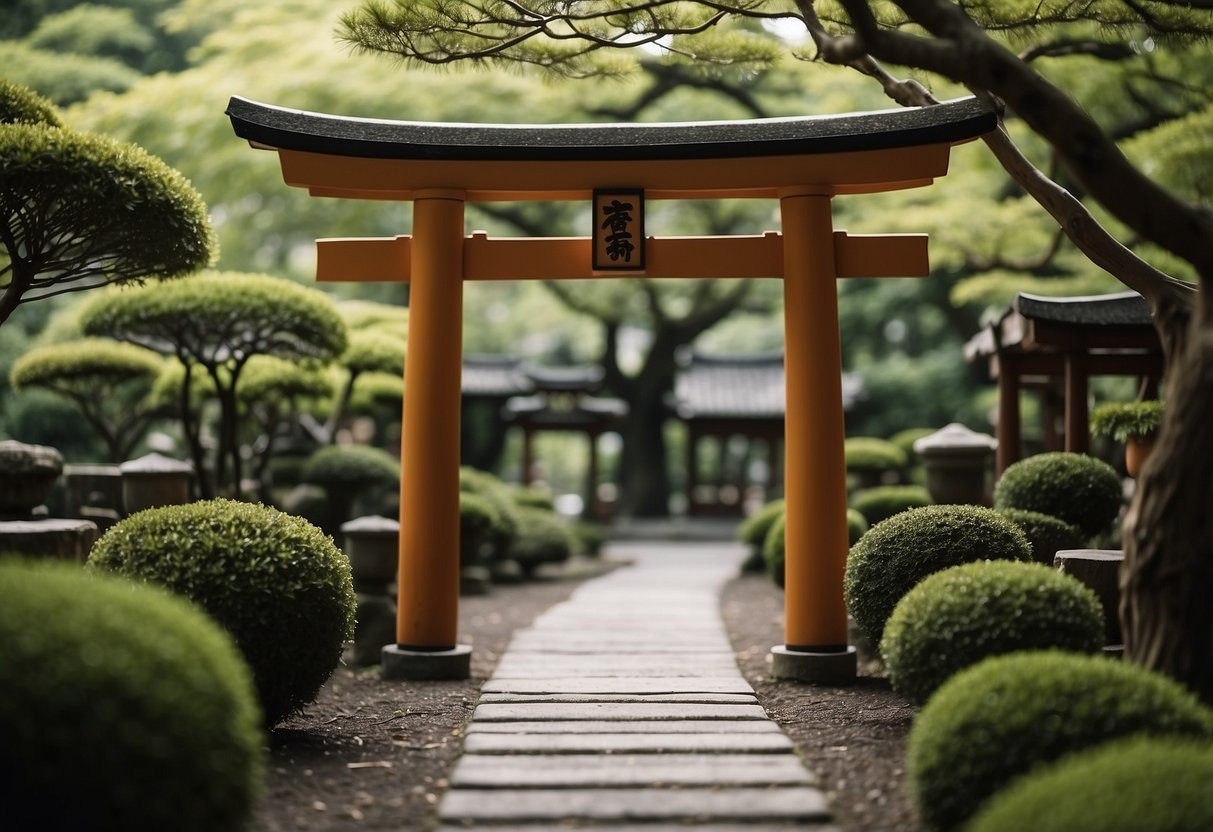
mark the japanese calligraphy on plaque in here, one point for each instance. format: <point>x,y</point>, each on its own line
<point>619,230</point>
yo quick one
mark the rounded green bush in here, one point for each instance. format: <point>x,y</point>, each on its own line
<point>957,617</point>
<point>21,105</point>
<point>999,719</point>
<point>753,530</point>
<point>905,439</point>
<point>1136,785</point>
<point>884,501</point>
<point>351,467</point>
<point>528,495</point>
<point>275,582</point>
<point>773,547</point>
<point>869,453</point>
<point>121,707</point>
<point>1047,535</point>
<point>1080,490</point>
<point>486,485</point>
<point>899,552</point>
<point>477,519</point>
<point>542,538</point>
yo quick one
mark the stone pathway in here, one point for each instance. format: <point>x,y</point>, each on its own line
<point>623,708</point>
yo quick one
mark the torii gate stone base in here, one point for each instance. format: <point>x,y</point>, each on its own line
<point>802,162</point>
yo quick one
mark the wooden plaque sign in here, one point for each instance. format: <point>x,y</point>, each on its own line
<point>619,229</point>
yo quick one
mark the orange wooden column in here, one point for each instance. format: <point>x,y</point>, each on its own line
<point>428,583</point>
<point>814,466</point>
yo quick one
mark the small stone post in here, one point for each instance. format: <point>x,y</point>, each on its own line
<point>373,546</point>
<point>155,480</point>
<point>27,476</point>
<point>958,462</point>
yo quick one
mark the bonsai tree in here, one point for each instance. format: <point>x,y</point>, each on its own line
<point>107,381</point>
<point>215,323</point>
<point>1134,424</point>
<point>78,211</point>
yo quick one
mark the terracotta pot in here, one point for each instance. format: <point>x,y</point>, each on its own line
<point>1137,448</point>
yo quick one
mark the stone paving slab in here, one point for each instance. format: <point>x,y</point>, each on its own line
<point>686,726</point>
<point>656,684</point>
<point>542,771</point>
<point>637,698</point>
<point>665,742</point>
<point>797,803</point>
<point>528,712</point>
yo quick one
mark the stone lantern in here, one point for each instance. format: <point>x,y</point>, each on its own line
<point>155,480</point>
<point>958,463</point>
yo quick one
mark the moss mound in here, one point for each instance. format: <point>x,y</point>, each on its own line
<point>753,532</point>
<point>957,617</point>
<point>275,582</point>
<point>1135,785</point>
<point>120,707</point>
<point>1080,490</point>
<point>351,467</point>
<point>484,484</point>
<point>542,538</point>
<point>869,453</point>
<point>997,720</point>
<point>1047,535</point>
<point>899,552</point>
<point>884,501</point>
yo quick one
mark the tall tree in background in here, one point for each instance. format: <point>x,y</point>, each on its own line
<point>1168,578</point>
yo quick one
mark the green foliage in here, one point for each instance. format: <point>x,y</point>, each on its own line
<point>957,617</point>
<point>97,30</point>
<point>477,520</point>
<point>869,453</point>
<point>351,467</point>
<point>275,380</point>
<point>84,365</point>
<point>21,105</point>
<point>377,317</point>
<point>905,439</point>
<point>999,719</point>
<point>374,351</point>
<point>275,582</point>
<point>119,705</point>
<point>533,497</point>
<point>221,318</point>
<point>72,187</point>
<point>753,530</point>
<point>542,538</point>
<point>64,79</point>
<point>897,553</point>
<point>1047,535</point>
<point>773,547</point>
<point>484,484</point>
<point>1078,489</point>
<point>1125,420</point>
<point>1133,785</point>
<point>884,501</point>
<point>590,538</point>
<point>1179,155</point>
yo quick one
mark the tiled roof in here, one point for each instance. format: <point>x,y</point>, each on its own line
<point>494,376</point>
<point>740,387</point>
<point>1121,309</point>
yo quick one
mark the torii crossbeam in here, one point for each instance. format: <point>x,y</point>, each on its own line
<point>802,162</point>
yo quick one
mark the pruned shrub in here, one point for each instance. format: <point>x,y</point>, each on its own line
<point>533,497</point>
<point>753,533</point>
<point>899,552</point>
<point>1047,535</point>
<point>1080,490</point>
<point>21,105</point>
<point>348,473</point>
<point>774,547</point>
<point>957,617</point>
<point>121,707</point>
<point>275,582</point>
<point>477,519</point>
<point>872,453</point>
<point>497,493</point>
<point>542,538</point>
<point>905,439</point>
<point>1135,785</point>
<point>884,501</point>
<point>998,720</point>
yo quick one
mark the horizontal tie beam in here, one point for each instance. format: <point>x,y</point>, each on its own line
<point>386,259</point>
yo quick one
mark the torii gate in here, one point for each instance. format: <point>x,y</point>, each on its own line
<point>802,162</point>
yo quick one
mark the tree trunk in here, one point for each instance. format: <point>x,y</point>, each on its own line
<point>1167,579</point>
<point>644,481</point>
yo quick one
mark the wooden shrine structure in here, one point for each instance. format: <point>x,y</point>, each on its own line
<point>802,163</point>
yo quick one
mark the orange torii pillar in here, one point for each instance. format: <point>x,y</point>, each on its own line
<point>802,162</point>
<point>815,478</point>
<point>428,591</point>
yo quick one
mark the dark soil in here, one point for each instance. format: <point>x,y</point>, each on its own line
<point>370,754</point>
